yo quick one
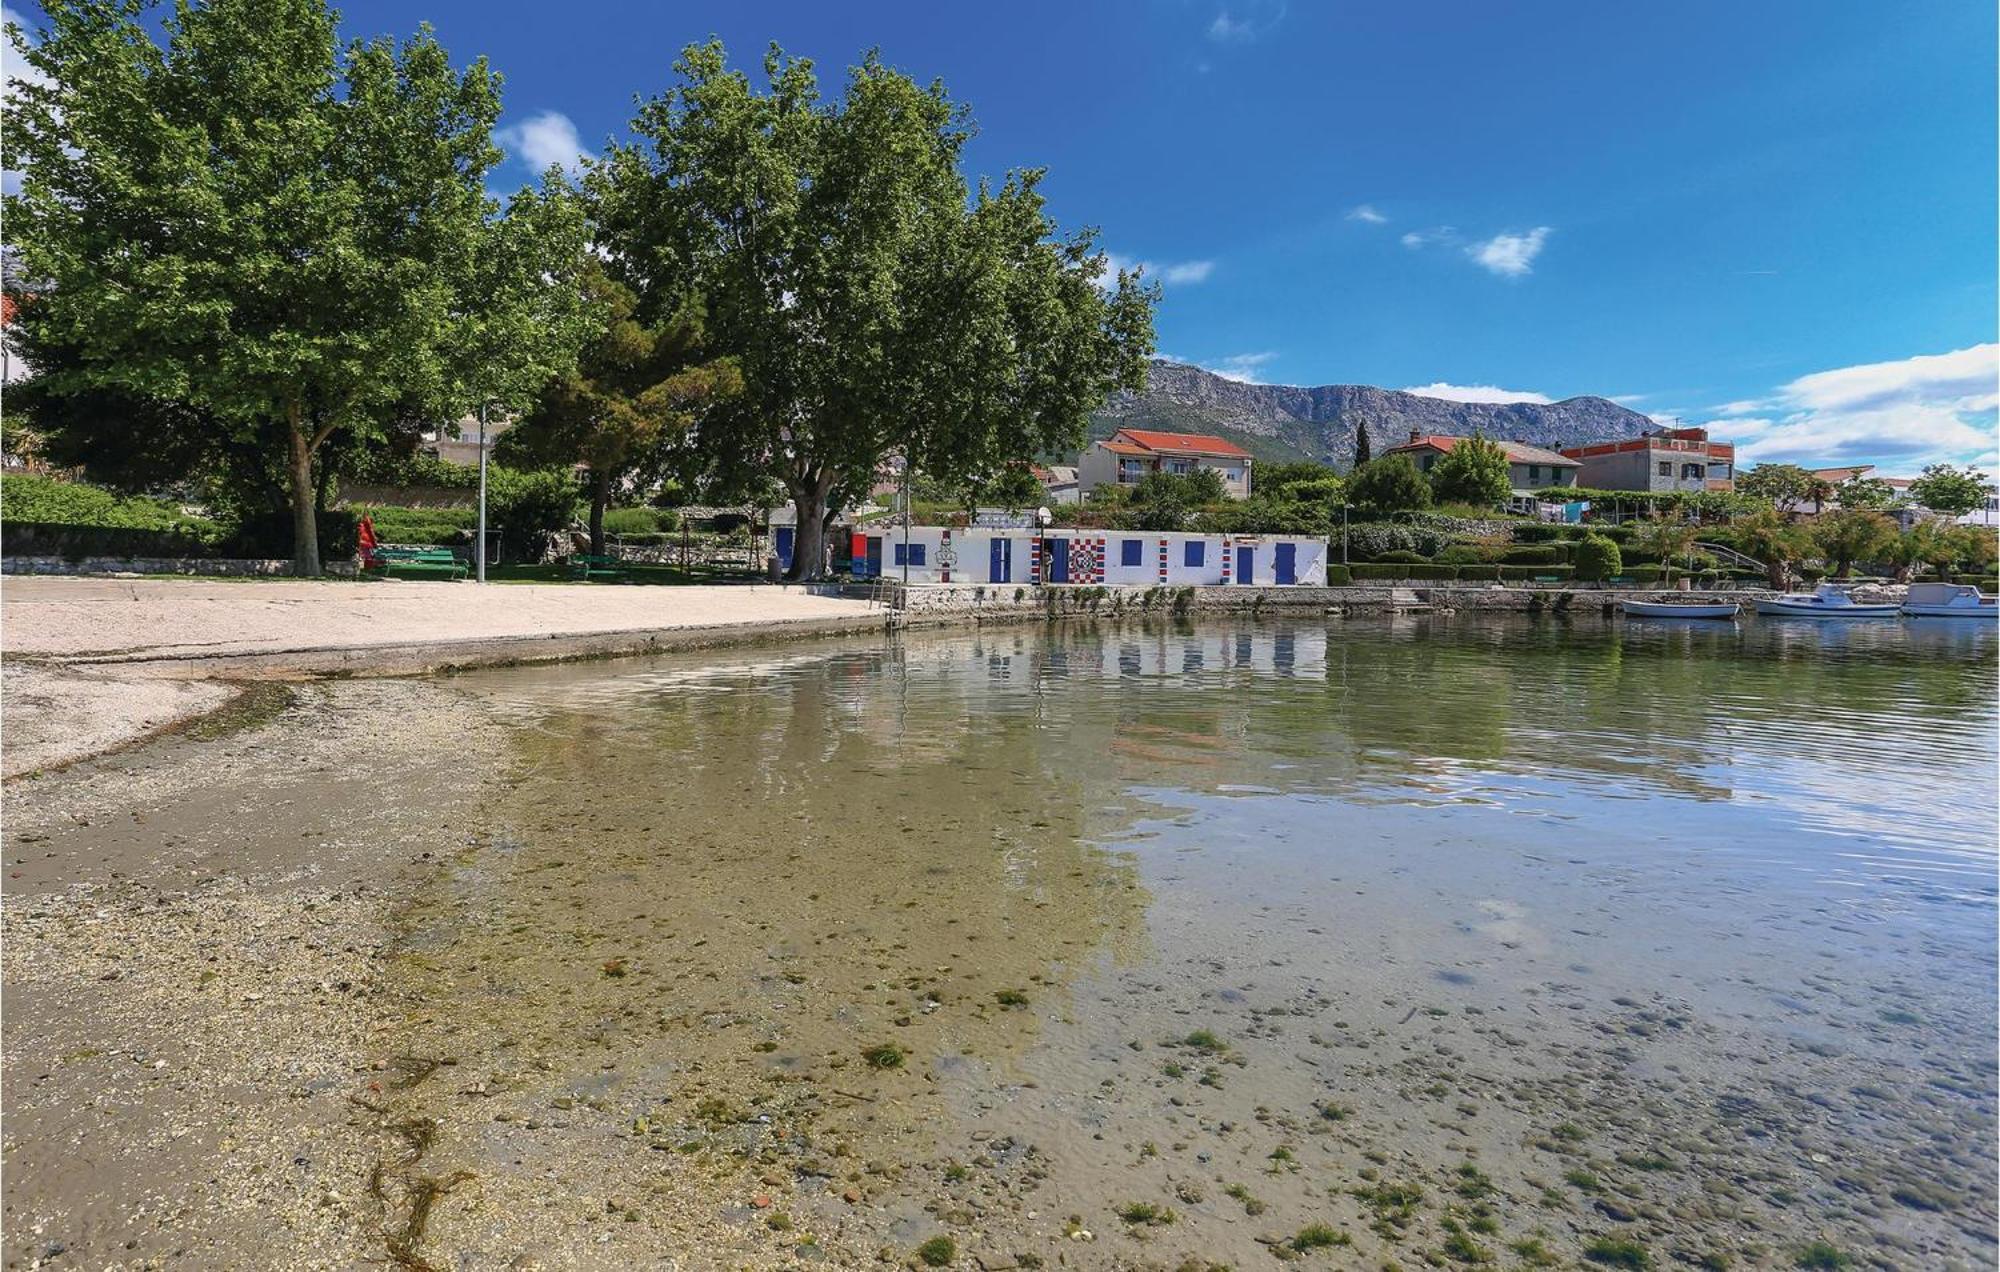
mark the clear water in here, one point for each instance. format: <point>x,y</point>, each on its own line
<point>1681,935</point>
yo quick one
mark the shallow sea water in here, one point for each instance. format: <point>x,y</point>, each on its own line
<point>1159,945</point>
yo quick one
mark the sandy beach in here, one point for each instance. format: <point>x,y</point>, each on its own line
<point>92,664</point>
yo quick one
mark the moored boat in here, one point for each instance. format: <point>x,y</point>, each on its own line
<point>1949,600</point>
<point>1679,609</point>
<point>1825,601</point>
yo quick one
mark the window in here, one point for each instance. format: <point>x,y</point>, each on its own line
<point>1534,473</point>
<point>1666,468</point>
<point>1180,466</point>
<point>1691,472</point>
<point>916,556</point>
<point>1194,554</point>
<point>1131,551</point>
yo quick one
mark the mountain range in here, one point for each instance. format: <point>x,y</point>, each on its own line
<point>1288,422</point>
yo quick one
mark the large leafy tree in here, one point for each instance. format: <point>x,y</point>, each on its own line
<point>1868,493</point>
<point>1784,485</point>
<point>1669,535</point>
<point>876,303</point>
<point>1389,484</point>
<point>635,392</point>
<point>286,242</point>
<point>1951,491</point>
<point>1777,542</point>
<point>1473,471</point>
<point>1852,535</point>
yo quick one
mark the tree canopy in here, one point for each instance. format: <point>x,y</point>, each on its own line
<point>271,241</point>
<point>1784,485</point>
<point>876,303</point>
<point>1951,491</point>
<point>1389,484</point>
<point>1473,471</point>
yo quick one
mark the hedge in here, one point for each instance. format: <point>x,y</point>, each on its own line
<point>73,542</point>
<point>34,499</point>
<point>1406,558</point>
<point>1539,555</point>
<point>1531,572</point>
<point>1338,576</point>
<point>1393,570</point>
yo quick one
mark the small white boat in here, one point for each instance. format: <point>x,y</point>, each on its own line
<point>1679,609</point>
<point>1949,600</point>
<point>1826,601</point>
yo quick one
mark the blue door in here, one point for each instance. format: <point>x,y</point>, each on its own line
<point>1000,569</point>
<point>785,534</point>
<point>1246,561</point>
<point>1056,553</point>
<point>874,556</point>
<point>1286,563</point>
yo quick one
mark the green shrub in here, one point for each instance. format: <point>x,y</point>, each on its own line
<point>1338,576</point>
<point>421,526</point>
<point>381,468</point>
<point>625,521</point>
<point>1464,554</point>
<point>1406,557</point>
<point>525,506</point>
<point>1544,554</point>
<point>1538,532</point>
<point>1398,570</point>
<point>1370,539</point>
<point>46,501</point>
<point>1482,573</point>
<point>1531,572</point>
<point>1598,558</point>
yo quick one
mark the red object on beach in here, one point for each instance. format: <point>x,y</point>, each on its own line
<point>367,541</point>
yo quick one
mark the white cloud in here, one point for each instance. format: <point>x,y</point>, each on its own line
<point>1476,393</point>
<point>1241,367</point>
<point>1510,255</point>
<point>1247,22</point>
<point>17,72</point>
<point>544,141</point>
<point>1932,408</point>
<point>1173,273</point>
<point>1424,238</point>
<point>1367,214</point>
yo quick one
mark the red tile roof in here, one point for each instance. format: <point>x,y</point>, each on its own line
<point>1180,443</point>
<point>1517,452</point>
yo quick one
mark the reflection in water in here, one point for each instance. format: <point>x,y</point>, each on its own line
<point>914,934</point>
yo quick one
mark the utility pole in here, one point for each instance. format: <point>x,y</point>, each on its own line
<point>479,549</point>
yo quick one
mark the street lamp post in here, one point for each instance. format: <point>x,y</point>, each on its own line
<point>479,549</point>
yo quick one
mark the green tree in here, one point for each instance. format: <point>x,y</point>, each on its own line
<point>1389,484</point>
<point>1819,490</point>
<point>1780,544</point>
<point>1669,535</point>
<point>1922,544</point>
<point>1950,491</point>
<point>1870,494</point>
<point>1013,488</point>
<point>1165,501</point>
<point>1784,485</point>
<point>1362,452</point>
<point>287,241</point>
<point>1598,558</point>
<point>877,304</point>
<point>1473,471</point>
<point>1852,535</point>
<point>635,391</point>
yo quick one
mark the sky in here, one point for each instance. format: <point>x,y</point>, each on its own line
<point>1775,219</point>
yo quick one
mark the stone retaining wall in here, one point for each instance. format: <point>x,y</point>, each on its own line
<point>945,601</point>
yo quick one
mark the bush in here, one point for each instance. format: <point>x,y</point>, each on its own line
<point>46,501</point>
<point>1338,576</point>
<point>629,521</point>
<point>1539,532</point>
<point>1389,484</point>
<point>421,526</point>
<point>1409,558</point>
<point>1371,539</point>
<point>1463,554</point>
<point>1532,572</point>
<point>1485,572</point>
<point>1544,554</point>
<point>73,543</point>
<point>1598,558</point>
<point>1398,570</point>
<point>527,506</point>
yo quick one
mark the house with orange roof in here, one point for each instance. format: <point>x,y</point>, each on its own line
<point>1530,469</point>
<point>1131,454</point>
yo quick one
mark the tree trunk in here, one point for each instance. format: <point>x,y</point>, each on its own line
<point>305,527</point>
<point>600,498</point>
<point>809,534</point>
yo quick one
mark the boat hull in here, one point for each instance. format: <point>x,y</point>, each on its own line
<point>1804,609</point>
<point>1975,612</point>
<point>1651,609</point>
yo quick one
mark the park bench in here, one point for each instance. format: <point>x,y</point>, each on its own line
<point>1619,580</point>
<point>584,565</point>
<point>417,563</point>
<point>1549,578</point>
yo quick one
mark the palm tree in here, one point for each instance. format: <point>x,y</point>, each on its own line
<point>1819,490</point>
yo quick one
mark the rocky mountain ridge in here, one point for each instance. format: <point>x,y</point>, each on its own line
<point>1282,421</point>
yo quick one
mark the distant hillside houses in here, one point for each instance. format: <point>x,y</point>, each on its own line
<point>1534,472</point>
<point>1131,454</point>
<point>1904,511</point>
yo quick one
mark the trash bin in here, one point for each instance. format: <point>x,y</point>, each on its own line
<point>772,569</point>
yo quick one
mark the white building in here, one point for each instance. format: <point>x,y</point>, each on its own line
<point>938,554</point>
<point>1132,454</point>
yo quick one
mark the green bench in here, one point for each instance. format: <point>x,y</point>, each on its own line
<point>422,563</point>
<point>584,565</point>
<point>1549,578</point>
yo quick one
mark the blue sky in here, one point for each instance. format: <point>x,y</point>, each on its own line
<point>1777,217</point>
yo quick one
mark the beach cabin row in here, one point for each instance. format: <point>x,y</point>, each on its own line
<point>939,554</point>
